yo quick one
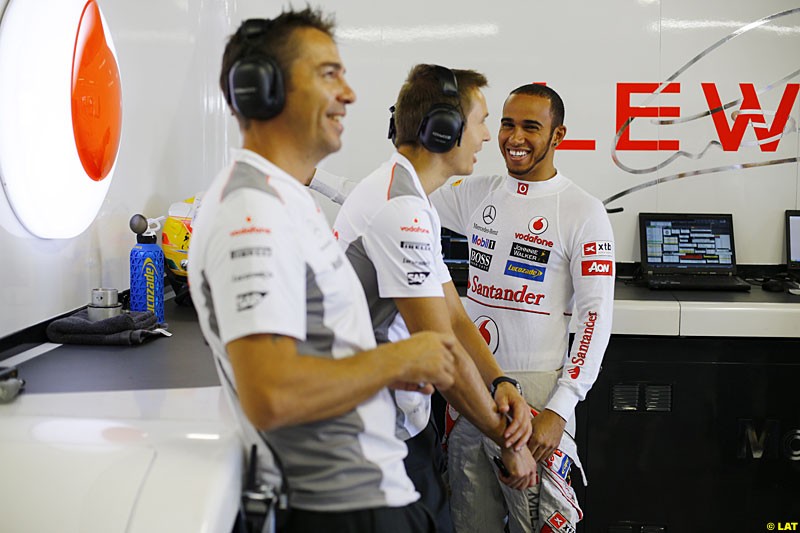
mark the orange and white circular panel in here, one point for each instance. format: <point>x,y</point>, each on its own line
<point>60,113</point>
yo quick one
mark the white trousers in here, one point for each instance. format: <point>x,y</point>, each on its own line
<point>481,503</point>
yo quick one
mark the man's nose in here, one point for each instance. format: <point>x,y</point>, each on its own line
<point>348,95</point>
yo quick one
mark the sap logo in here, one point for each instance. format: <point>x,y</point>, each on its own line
<point>249,300</point>
<point>483,242</point>
<point>489,331</point>
<point>597,268</point>
<point>768,443</point>
<point>524,271</point>
<point>480,260</point>
<point>529,253</point>
<point>417,278</point>
<point>602,248</point>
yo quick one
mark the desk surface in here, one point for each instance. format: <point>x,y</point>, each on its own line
<point>134,438</point>
<point>757,313</point>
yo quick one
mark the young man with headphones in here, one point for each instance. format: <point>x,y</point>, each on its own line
<point>391,235</point>
<point>280,305</point>
<point>541,253</point>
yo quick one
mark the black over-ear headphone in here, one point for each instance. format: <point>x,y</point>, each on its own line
<point>442,126</point>
<point>255,82</point>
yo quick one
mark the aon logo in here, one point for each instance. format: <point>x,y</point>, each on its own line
<point>597,268</point>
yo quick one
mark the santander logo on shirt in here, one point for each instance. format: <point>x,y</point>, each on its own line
<point>489,331</point>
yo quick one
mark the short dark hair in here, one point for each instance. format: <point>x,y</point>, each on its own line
<point>276,42</point>
<point>422,90</point>
<point>543,91</point>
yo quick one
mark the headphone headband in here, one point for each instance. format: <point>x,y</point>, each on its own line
<point>447,80</point>
<point>255,81</point>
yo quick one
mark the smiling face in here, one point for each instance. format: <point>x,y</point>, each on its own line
<point>527,139</point>
<point>476,132</point>
<point>317,94</point>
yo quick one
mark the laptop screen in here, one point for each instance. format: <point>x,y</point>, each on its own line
<point>793,241</point>
<point>687,243</point>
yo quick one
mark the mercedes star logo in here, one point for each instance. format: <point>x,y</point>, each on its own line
<point>488,214</point>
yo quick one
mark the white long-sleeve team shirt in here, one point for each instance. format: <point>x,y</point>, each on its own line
<point>539,252</point>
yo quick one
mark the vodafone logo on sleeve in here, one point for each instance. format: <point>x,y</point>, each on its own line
<point>597,267</point>
<point>595,248</point>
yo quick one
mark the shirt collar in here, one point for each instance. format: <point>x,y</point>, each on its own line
<point>535,188</point>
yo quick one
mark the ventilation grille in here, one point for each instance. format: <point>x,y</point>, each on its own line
<point>641,397</point>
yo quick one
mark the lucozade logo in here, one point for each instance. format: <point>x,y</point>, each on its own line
<point>58,154</point>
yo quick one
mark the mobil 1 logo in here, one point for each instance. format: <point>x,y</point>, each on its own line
<point>480,260</point>
<point>530,253</point>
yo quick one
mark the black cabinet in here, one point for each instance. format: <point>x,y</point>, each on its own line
<point>693,435</point>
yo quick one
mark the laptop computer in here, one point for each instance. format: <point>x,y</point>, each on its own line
<point>689,251</point>
<point>793,244</point>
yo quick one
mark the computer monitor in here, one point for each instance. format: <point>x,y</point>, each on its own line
<point>687,243</point>
<point>793,243</point>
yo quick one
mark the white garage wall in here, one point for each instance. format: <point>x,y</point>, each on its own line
<point>176,131</point>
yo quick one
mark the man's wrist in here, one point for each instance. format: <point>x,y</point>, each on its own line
<point>504,379</point>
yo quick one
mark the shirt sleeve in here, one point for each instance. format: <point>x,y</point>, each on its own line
<point>592,270</point>
<point>403,243</point>
<point>335,188</point>
<point>450,201</point>
<point>254,269</point>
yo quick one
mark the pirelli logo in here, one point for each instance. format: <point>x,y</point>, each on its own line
<point>530,253</point>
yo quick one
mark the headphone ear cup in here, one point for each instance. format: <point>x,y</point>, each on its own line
<point>256,88</point>
<point>441,129</point>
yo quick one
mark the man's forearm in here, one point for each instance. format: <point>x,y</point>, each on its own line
<point>471,398</point>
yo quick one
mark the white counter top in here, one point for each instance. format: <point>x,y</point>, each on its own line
<point>640,311</point>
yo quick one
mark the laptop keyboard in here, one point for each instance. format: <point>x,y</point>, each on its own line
<point>710,283</point>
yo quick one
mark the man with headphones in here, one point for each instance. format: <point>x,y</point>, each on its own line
<point>391,235</point>
<point>541,253</point>
<point>280,305</point>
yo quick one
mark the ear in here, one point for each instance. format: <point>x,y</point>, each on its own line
<point>559,134</point>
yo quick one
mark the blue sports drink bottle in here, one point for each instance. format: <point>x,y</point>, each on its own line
<point>147,268</point>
